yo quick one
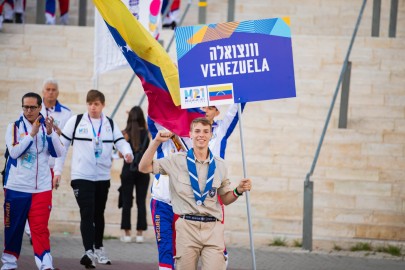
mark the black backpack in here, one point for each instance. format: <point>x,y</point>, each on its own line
<point>79,118</point>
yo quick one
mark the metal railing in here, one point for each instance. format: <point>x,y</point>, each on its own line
<point>375,23</point>
<point>308,184</point>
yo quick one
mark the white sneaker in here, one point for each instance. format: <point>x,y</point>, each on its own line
<point>64,19</point>
<point>49,19</point>
<point>88,259</point>
<point>101,256</point>
<point>139,239</point>
<point>126,239</point>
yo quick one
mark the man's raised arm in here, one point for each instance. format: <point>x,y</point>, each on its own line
<point>146,163</point>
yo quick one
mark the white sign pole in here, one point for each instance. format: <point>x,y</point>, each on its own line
<point>252,248</point>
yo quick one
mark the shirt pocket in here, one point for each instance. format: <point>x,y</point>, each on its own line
<point>183,187</point>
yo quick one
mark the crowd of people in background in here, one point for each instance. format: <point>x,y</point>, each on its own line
<point>13,11</point>
<point>189,189</point>
<point>37,143</point>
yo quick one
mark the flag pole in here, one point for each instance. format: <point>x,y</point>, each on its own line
<point>252,248</point>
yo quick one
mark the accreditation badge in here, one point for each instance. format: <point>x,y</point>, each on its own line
<point>28,160</point>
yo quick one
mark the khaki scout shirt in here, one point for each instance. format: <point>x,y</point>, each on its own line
<point>183,200</point>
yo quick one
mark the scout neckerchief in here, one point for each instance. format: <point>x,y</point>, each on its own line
<point>97,141</point>
<point>192,171</point>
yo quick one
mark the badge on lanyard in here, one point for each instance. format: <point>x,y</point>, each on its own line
<point>97,142</point>
<point>98,147</point>
<point>28,160</point>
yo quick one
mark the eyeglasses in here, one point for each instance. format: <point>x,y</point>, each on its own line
<point>31,108</point>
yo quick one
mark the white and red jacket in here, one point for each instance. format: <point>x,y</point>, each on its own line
<point>27,168</point>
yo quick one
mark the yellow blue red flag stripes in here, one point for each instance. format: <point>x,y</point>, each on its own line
<point>151,63</point>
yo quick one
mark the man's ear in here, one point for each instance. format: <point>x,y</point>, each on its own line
<point>217,113</point>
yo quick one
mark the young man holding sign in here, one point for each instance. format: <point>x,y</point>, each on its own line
<point>161,208</point>
<point>196,179</point>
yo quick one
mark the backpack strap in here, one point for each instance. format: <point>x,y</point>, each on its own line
<point>78,119</point>
<point>111,124</point>
<point>7,153</point>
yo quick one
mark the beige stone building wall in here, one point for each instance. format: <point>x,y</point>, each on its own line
<point>360,177</point>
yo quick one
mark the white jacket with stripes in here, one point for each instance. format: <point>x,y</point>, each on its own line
<point>27,168</point>
<point>84,163</point>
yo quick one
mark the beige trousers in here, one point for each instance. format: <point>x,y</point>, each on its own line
<point>195,239</point>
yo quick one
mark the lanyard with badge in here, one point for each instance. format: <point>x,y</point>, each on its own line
<point>192,171</point>
<point>97,142</point>
<point>29,158</point>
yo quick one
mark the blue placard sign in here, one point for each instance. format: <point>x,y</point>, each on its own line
<point>235,62</point>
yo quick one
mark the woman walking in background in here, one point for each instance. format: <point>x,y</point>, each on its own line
<point>137,136</point>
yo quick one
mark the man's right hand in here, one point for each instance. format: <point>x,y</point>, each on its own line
<point>35,126</point>
<point>163,136</point>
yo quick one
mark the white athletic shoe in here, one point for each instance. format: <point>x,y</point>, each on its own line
<point>101,256</point>
<point>126,239</point>
<point>139,239</point>
<point>88,260</point>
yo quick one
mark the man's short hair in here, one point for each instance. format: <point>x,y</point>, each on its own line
<point>94,95</point>
<point>50,81</point>
<point>32,95</point>
<point>202,120</point>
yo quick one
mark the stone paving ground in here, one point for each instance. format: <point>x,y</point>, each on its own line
<point>67,250</point>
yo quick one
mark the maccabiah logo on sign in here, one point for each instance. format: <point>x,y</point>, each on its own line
<point>194,96</point>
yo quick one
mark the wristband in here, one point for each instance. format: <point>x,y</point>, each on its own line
<point>236,193</point>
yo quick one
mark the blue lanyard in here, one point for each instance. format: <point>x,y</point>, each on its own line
<point>96,136</point>
<point>192,171</point>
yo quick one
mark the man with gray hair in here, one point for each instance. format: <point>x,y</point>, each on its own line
<point>52,107</point>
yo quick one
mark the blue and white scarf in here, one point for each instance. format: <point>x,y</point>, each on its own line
<point>192,171</point>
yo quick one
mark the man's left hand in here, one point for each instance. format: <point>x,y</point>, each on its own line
<point>49,125</point>
<point>244,185</point>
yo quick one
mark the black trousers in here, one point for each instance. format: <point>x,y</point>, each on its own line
<point>91,196</point>
<point>129,181</point>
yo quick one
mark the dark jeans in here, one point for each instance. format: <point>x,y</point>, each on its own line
<point>140,181</point>
<point>91,196</point>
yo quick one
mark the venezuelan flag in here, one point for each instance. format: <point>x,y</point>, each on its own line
<point>152,65</point>
<point>222,92</point>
